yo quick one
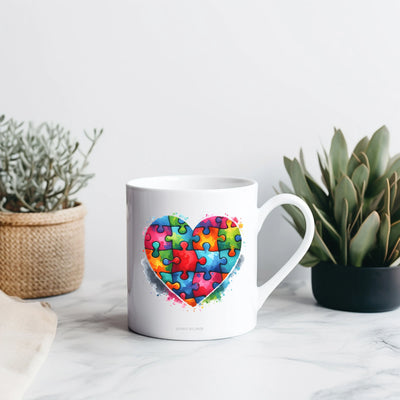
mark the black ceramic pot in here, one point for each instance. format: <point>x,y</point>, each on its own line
<point>365,289</point>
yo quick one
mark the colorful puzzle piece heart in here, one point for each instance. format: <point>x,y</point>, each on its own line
<point>192,263</point>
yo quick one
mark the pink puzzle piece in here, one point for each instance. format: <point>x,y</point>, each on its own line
<point>153,235</point>
<point>206,286</point>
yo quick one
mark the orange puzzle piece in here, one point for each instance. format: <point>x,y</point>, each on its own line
<point>211,238</point>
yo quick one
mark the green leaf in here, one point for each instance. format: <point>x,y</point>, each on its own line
<point>309,260</point>
<point>386,199</point>
<point>298,179</point>
<point>298,218</point>
<point>394,253</point>
<point>372,203</point>
<point>338,154</point>
<point>394,166</point>
<point>361,146</point>
<point>292,224</point>
<point>394,234</point>
<point>355,161</point>
<point>299,182</point>
<point>326,224</point>
<point>331,175</point>
<point>383,237</point>
<point>285,188</point>
<point>378,153</point>
<point>379,184</point>
<point>318,227</point>
<point>302,162</point>
<point>320,196</point>
<point>357,217</point>
<point>318,243</point>
<point>344,190</point>
<point>364,240</point>
<point>364,160</point>
<point>395,206</point>
<point>394,258</point>
<point>344,232</point>
<point>325,174</point>
<point>288,164</point>
<point>360,178</point>
<point>393,190</point>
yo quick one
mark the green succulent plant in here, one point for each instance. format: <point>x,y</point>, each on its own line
<point>357,210</point>
<point>41,167</point>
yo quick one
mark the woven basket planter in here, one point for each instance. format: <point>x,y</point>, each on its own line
<point>42,254</point>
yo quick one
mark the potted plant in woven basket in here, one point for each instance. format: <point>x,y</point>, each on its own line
<point>356,247</point>
<point>41,222</point>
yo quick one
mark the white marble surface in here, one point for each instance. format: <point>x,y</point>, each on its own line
<point>298,351</point>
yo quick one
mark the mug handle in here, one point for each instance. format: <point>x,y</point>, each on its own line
<point>265,290</point>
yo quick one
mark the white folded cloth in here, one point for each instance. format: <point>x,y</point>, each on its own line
<point>27,331</point>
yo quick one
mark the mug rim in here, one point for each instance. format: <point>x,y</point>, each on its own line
<point>203,183</point>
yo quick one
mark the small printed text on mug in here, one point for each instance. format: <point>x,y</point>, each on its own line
<point>190,328</point>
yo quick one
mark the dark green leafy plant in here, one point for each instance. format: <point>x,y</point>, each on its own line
<point>357,211</point>
<point>41,167</point>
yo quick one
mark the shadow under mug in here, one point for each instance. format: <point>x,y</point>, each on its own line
<point>192,255</point>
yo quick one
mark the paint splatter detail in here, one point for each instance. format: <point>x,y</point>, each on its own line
<point>158,285</point>
<point>192,265</point>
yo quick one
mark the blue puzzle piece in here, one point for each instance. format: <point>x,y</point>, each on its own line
<point>213,261</point>
<point>230,261</point>
<point>161,221</point>
<point>186,285</point>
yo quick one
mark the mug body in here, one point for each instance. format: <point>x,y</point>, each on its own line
<point>192,248</point>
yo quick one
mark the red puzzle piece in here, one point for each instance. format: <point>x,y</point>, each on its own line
<point>185,260</point>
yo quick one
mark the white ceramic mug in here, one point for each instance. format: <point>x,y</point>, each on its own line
<point>192,255</point>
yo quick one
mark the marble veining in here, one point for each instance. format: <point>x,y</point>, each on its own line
<point>299,350</point>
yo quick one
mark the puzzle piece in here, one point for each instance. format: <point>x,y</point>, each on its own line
<point>231,256</point>
<point>214,222</point>
<point>156,246</point>
<point>223,222</point>
<point>191,301</point>
<point>186,286</point>
<point>212,261</point>
<point>232,237</point>
<point>212,237</point>
<point>166,256</point>
<point>209,223</point>
<point>154,235</point>
<point>166,277</point>
<point>157,263</point>
<point>180,223</point>
<point>177,238</point>
<point>233,252</point>
<point>162,221</point>
<point>186,260</point>
<point>206,286</point>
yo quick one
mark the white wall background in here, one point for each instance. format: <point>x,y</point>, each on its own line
<point>224,87</point>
